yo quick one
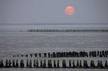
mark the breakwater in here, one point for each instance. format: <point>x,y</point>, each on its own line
<point>67,30</point>
<point>72,59</point>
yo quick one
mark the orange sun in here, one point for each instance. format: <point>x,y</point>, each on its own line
<point>69,10</point>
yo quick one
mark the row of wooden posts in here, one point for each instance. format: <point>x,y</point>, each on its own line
<point>35,63</point>
<point>103,53</point>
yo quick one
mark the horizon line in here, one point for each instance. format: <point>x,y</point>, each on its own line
<point>53,23</point>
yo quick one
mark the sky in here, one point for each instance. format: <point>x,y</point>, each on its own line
<point>52,11</point>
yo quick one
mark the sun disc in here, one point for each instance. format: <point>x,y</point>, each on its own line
<point>69,10</point>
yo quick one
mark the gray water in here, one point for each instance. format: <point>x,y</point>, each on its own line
<point>15,42</point>
<point>53,39</point>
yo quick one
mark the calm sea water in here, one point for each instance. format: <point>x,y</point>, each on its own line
<point>53,39</point>
<point>25,42</point>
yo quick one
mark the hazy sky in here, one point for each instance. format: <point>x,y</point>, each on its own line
<point>52,11</point>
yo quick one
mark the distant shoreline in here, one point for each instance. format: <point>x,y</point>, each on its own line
<point>67,30</point>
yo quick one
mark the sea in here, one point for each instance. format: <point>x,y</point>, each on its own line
<point>14,39</point>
